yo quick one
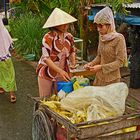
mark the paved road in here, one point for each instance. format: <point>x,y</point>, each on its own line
<point>16,119</point>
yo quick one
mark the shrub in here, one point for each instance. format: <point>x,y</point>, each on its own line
<point>29,32</point>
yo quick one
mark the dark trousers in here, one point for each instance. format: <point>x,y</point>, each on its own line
<point>134,79</point>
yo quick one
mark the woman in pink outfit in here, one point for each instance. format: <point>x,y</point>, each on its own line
<point>58,53</point>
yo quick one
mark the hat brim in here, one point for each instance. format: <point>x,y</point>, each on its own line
<point>58,17</point>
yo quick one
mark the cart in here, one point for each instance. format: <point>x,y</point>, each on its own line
<point>45,121</point>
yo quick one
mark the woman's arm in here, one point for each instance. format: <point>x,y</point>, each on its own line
<point>121,57</point>
<point>54,67</point>
<point>73,60</point>
<point>95,61</point>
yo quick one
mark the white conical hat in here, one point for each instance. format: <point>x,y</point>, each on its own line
<point>58,17</point>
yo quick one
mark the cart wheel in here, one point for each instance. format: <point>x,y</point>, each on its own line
<point>42,128</point>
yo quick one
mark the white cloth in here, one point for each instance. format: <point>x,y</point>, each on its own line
<point>105,16</point>
<point>5,42</point>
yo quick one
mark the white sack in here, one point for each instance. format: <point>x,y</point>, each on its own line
<point>100,101</point>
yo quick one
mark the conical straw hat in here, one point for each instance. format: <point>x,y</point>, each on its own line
<point>58,17</point>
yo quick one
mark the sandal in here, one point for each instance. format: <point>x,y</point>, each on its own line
<point>12,98</point>
<point>1,91</point>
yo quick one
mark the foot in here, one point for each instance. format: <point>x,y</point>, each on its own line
<point>1,90</point>
<point>12,98</point>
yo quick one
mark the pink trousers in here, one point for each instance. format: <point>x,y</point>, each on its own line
<point>46,87</point>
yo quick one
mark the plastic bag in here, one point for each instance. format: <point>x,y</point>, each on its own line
<point>76,85</point>
<point>79,82</point>
<point>61,94</point>
<point>99,101</point>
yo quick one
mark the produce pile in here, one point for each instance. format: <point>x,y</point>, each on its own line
<point>90,103</point>
<point>54,104</point>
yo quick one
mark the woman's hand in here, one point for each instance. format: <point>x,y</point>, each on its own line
<point>88,65</point>
<point>95,68</point>
<point>64,75</point>
<point>74,66</point>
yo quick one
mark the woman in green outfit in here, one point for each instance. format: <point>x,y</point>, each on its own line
<point>7,73</point>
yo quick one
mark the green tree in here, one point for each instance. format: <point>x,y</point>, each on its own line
<point>77,8</point>
<point>117,5</point>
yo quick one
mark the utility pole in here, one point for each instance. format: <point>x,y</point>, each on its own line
<point>5,8</point>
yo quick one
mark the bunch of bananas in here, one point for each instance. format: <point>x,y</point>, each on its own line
<point>54,104</point>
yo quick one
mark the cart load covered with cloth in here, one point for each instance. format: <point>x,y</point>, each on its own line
<point>89,113</point>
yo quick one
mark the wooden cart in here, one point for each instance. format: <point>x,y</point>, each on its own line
<point>44,121</point>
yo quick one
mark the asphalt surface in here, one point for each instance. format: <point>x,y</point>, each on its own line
<point>16,119</point>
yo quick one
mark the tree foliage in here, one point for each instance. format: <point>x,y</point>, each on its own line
<point>117,5</point>
<point>43,8</point>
